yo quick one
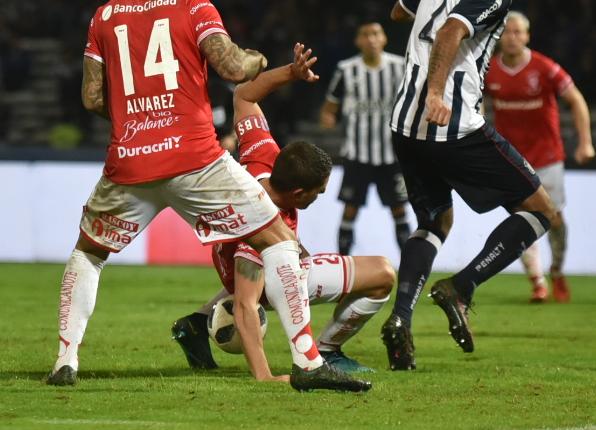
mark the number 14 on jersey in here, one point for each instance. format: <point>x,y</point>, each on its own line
<point>160,41</point>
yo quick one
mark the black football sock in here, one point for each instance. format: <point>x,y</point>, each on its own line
<point>346,236</point>
<point>417,258</point>
<point>402,231</point>
<point>504,245</point>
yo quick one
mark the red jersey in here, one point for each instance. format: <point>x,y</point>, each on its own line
<point>525,106</point>
<point>258,151</point>
<point>162,124</point>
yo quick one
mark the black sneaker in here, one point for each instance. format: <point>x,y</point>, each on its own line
<point>326,377</point>
<point>445,295</point>
<point>398,339</point>
<point>191,334</point>
<point>66,375</point>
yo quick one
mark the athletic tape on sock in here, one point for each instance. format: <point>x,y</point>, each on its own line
<point>430,237</point>
<point>346,225</point>
<point>537,221</point>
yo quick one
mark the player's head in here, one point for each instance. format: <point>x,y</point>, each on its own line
<point>516,36</point>
<point>370,39</point>
<point>300,172</point>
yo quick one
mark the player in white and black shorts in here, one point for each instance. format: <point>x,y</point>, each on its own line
<point>365,86</point>
<point>444,144</point>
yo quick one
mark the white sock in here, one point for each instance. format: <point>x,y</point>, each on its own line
<point>348,318</point>
<point>77,300</point>
<point>287,292</point>
<point>531,261</point>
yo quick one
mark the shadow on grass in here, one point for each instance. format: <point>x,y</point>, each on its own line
<point>170,372</point>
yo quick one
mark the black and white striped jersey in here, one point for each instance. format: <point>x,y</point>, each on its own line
<point>367,96</point>
<point>485,20</point>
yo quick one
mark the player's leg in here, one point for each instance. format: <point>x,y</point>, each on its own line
<point>553,179</point>
<point>402,227</point>
<point>486,158</point>
<point>519,190</point>
<point>78,291</point>
<point>431,200</point>
<point>191,334</point>
<point>353,191</point>
<point>557,237</point>
<point>528,222</point>
<point>360,286</point>
<point>234,206</point>
<point>113,217</point>
<point>287,292</point>
<point>345,238</point>
<point>391,187</point>
<point>533,267</point>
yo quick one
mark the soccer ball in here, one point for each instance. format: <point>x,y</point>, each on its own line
<point>222,330</point>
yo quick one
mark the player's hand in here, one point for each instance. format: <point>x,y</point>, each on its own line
<point>279,378</point>
<point>262,64</point>
<point>327,120</point>
<point>584,154</point>
<point>302,64</point>
<point>229,142</point>
<point>438,112</point>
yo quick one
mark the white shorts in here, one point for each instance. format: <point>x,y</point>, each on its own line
<point>221,202</point>
<point>553,180</point>
<point>330,277</point>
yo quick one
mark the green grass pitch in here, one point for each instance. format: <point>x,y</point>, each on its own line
<point>534,366</point>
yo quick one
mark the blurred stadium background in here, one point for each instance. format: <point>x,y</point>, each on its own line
<point>51,149</point>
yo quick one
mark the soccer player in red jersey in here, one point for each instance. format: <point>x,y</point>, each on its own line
<point>293,178</point>
<point>145,70</point>
<point>524,86</point>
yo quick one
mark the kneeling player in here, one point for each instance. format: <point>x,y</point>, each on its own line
<point>293,179</point>
<point>360,286</point>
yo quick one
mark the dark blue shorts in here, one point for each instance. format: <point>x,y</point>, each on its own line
<point>387,178</point>
<point>483,168</point>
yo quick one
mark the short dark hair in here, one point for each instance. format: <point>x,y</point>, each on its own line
<point>300,165</point>
<point>367,22</point>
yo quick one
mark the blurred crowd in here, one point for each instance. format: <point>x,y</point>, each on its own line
<point>564,32</point>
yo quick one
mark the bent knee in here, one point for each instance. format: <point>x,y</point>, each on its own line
<point>387,279</point>
<point>89,247</point>
<point>440,226</point>
<point>541,202</point>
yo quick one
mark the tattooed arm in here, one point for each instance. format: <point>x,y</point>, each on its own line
<point>248,287</point>
<point>442,56</point>
<point>231,62</point>
<point>93,91</point>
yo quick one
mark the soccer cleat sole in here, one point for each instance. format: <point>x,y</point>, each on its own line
<point>398,360</point>
<point>65,376</point>
<point>458,326</point>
